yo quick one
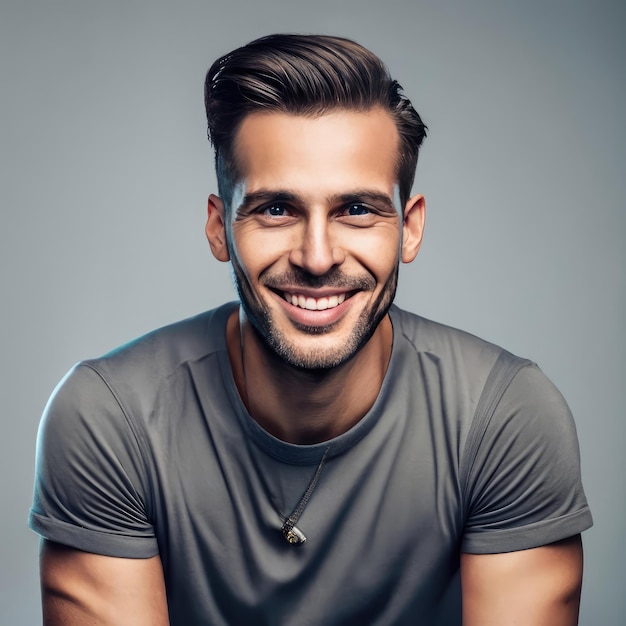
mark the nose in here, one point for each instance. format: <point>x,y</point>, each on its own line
<point>317,250</point>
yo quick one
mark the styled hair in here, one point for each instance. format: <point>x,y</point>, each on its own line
<point>303,75</point>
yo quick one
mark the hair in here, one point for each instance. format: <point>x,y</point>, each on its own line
<point>303,75</point>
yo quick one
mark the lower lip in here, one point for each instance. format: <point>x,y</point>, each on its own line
<point>306,317</point>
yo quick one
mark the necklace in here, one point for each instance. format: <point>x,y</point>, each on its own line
<point>292,534</point>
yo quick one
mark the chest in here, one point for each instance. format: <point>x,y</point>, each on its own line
<point>383,525</point>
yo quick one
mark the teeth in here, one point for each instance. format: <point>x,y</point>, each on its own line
<point>312,304</point>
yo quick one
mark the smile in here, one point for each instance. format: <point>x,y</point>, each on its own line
<point>314,304</point>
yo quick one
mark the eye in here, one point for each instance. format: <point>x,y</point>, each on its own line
<point>275,210</point>
<point>358,209</point>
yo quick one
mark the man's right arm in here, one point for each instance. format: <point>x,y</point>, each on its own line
<point>90,493</point>
<point>80,589</point>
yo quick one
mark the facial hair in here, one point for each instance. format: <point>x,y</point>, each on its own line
<point>314,359</point>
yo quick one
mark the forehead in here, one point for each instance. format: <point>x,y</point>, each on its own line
<point>333,150</point>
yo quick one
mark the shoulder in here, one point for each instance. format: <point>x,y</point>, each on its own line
<point>458,362</point>
<point>136,372</point>
<point>128,381</point>
<point>163,350</point>
<point>494,389</point>
<point>519,461</point>
<point>441,341</point>
<point>100,438</point>
<point>522,393</point>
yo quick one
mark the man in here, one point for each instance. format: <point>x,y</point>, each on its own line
<point>311,454</point>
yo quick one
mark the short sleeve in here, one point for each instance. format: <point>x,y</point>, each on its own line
<point>524,487</point>
<point>91,489</point>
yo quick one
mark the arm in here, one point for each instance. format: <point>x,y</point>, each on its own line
<point>79,589</point>
<point>90,489</point>
<point>536,587</point>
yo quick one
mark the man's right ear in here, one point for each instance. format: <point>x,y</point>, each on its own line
<point>216,228</point>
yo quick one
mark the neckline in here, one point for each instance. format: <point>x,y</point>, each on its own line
<point>297,454</point>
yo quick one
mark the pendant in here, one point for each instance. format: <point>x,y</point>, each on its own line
<point>293,535</point>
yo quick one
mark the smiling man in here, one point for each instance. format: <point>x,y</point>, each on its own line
<point>310,454</point>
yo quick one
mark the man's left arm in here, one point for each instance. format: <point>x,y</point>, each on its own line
<point>535,587</point>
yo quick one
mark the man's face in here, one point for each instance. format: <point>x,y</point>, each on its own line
<point>314,232</point>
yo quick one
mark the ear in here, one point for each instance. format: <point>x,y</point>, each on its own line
<point>216,229</point>
<point>413,227</point>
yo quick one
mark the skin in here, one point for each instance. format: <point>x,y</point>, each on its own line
<point>315,214</point>
<point>83,589</point>
<point>538,587</point>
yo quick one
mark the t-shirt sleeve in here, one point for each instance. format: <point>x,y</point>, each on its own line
<point>524,487</point>
<point>91,489</point>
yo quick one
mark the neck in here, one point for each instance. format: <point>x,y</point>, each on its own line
<point>306,406</point>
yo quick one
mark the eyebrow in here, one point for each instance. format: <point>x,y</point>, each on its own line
<point>366,195</point>
<point>261,196</point>
<point>254,198</point>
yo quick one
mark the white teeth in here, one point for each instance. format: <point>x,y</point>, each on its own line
<point>312,304</point>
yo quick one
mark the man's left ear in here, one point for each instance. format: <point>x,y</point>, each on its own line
<point>413,227</point>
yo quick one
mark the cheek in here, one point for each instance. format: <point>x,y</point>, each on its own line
<point>252,261</point>
<point>378,250</point>
<point>254,250</point>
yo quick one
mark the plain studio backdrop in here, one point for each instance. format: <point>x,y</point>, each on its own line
<point>105,170</point>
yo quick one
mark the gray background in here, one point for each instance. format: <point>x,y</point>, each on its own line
<point>105,172</point>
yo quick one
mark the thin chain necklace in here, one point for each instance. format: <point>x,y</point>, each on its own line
<point>290,531</point>
<point>292,534</point>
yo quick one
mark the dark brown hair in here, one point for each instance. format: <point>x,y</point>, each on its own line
<point>303,75</point>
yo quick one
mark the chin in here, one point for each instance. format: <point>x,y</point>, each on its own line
<point>318,349</point>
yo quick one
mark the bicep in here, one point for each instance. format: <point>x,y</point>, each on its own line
<point>535,587</point>
<point>80,588</point>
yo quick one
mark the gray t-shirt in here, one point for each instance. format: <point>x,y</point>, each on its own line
<point>149,450</point>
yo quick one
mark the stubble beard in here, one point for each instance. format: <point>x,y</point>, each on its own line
<point>322,358</point>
